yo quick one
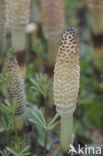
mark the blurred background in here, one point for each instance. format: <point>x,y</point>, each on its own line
<point>43,32</point>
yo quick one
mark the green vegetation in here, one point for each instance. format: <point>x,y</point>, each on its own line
<point>40,135</point>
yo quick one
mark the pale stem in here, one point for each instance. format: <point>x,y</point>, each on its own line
<point>18,39</point>
<point>52,51</point>
<point>66,132</point>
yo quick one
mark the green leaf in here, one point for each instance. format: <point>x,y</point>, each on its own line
<point>35,122</point>
<point>53,125</point>
<point>25,149</point>
<point>34,82</point>
<point>42,116</point>
<point>38,118</point>
<point>40,84</point>
<point>56,152</point>
<point>54,119</point>
<point>10,150</point>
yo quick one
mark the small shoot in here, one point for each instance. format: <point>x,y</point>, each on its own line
<point>7,108</point>
<point>4,78</point>
<point>38,47</point>
<point>23,152</point>
<point>39,119</point>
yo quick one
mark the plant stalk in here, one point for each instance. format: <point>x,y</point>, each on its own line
<point>15,129</point>
<point>66,132</point>
<point>46,130</point>
<point>45,142</point>
<point>18,39</point>
<point>46,109</point>
<point>7,140</point>
<point>52,51</point>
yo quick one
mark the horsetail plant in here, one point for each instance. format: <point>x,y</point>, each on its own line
<point>18,13</point>
<point>53,22</point>
<point>35,16</point>
<point>2,27</point>
<point>66,84</point>
<point>96,9</point>
<point>16,91</point>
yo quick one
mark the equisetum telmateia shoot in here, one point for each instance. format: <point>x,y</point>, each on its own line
<point>18,14</point>
<point>16,91</point>
<point>96,9</point>
<point>53,22</point>
<point>66,84</point>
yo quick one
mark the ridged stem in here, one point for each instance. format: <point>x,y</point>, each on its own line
<point>66,132</point>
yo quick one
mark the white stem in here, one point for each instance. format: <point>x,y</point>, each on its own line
<point>66,132</point>
<point>18,39</point>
